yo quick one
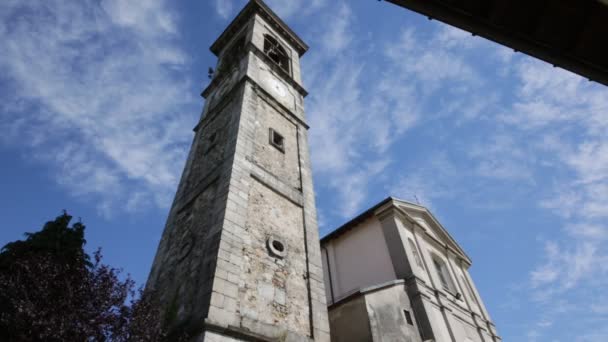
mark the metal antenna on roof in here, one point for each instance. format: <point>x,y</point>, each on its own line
<point>416,198</point>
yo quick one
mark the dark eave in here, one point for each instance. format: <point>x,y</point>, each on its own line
<point>258,6</point>
<point>571,34</point>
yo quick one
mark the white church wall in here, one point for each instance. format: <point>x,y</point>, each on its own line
<point>429,252</point>
<point>361,259</point>
<point>426,226</point>
<point>438,323</point>
<point>457,277</point>
<point>464,331</point>
<point>407,235</point>
<point>465,289</point>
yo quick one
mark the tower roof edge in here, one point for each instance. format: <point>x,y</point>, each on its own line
<point>258,6</point>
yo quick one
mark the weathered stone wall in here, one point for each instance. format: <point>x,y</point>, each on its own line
<point>386,309</point>
<point>210,148</point>
<point>183,270</point>
<point>270,79</point>
<point>349,321</point>
<point>282,164</point>
<point>251,284</point>
<point>273,288</point>
<point>262,27</point>
<point>375,314</point>
<point>213,269</point>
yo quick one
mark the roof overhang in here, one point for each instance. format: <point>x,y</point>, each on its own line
<point>259,7</point>
<point>571,34</point>
<point>410,210</point>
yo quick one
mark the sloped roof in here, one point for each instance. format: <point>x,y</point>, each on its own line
<point>408,210</point>
<point>438,228</point>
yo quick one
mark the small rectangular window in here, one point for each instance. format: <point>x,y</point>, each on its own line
<point>277,140</point>
<point>408,317</point>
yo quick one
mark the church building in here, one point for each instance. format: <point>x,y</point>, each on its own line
<point>394,273</point>
<point>240,258</point>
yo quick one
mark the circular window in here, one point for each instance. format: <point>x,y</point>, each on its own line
<point>276,247</point>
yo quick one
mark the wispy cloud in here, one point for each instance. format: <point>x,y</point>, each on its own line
<point>369,125</point>
<point>417,113</point>
<point>502,157</point>
<point>570,114</point>
<point>224,8</point>
<point>427,182</point>
<point>377,99</point>
<point>287,9</point>
<point>98,100</point>
<point>337,36</point>
<point>541,141</point>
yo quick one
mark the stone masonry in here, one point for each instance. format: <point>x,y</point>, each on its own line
<point>239,259</point>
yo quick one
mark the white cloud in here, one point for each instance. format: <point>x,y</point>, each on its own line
<point>143,16</point>
<point>425,183</point>
<point>99,103</point>
<point>288,8</point>
<point>568,114</point>
<point>224,8</point>
<point>377,99</point>
<point>429,61</point>
<point>544,134</point>
<point>502,157</point>
<point>354,188</point>
<point>338,36</point>
<point>452,37</point>
<point>370,125</point>
<point>584,231</point>
<point>590,160</point>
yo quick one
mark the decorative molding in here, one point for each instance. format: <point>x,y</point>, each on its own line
<point>234,332</point>
<point>259,7</point>
<point>275,184</point>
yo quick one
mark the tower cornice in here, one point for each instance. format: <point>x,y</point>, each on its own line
<point>258,6</point>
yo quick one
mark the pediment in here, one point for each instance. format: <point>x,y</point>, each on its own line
<point>426,220</point>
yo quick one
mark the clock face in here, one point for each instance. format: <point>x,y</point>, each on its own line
<point>278,88</point>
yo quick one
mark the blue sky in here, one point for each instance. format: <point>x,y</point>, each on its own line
<point>98,100</point>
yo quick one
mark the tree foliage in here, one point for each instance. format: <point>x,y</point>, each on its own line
<point>51,290</point>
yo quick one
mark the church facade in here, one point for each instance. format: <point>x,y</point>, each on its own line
<point>240,258</point>
<point>395,274</point>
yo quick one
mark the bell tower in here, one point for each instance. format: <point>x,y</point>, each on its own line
<point>239,258</point>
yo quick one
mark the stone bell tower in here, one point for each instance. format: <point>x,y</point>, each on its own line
<point>239,258</point>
